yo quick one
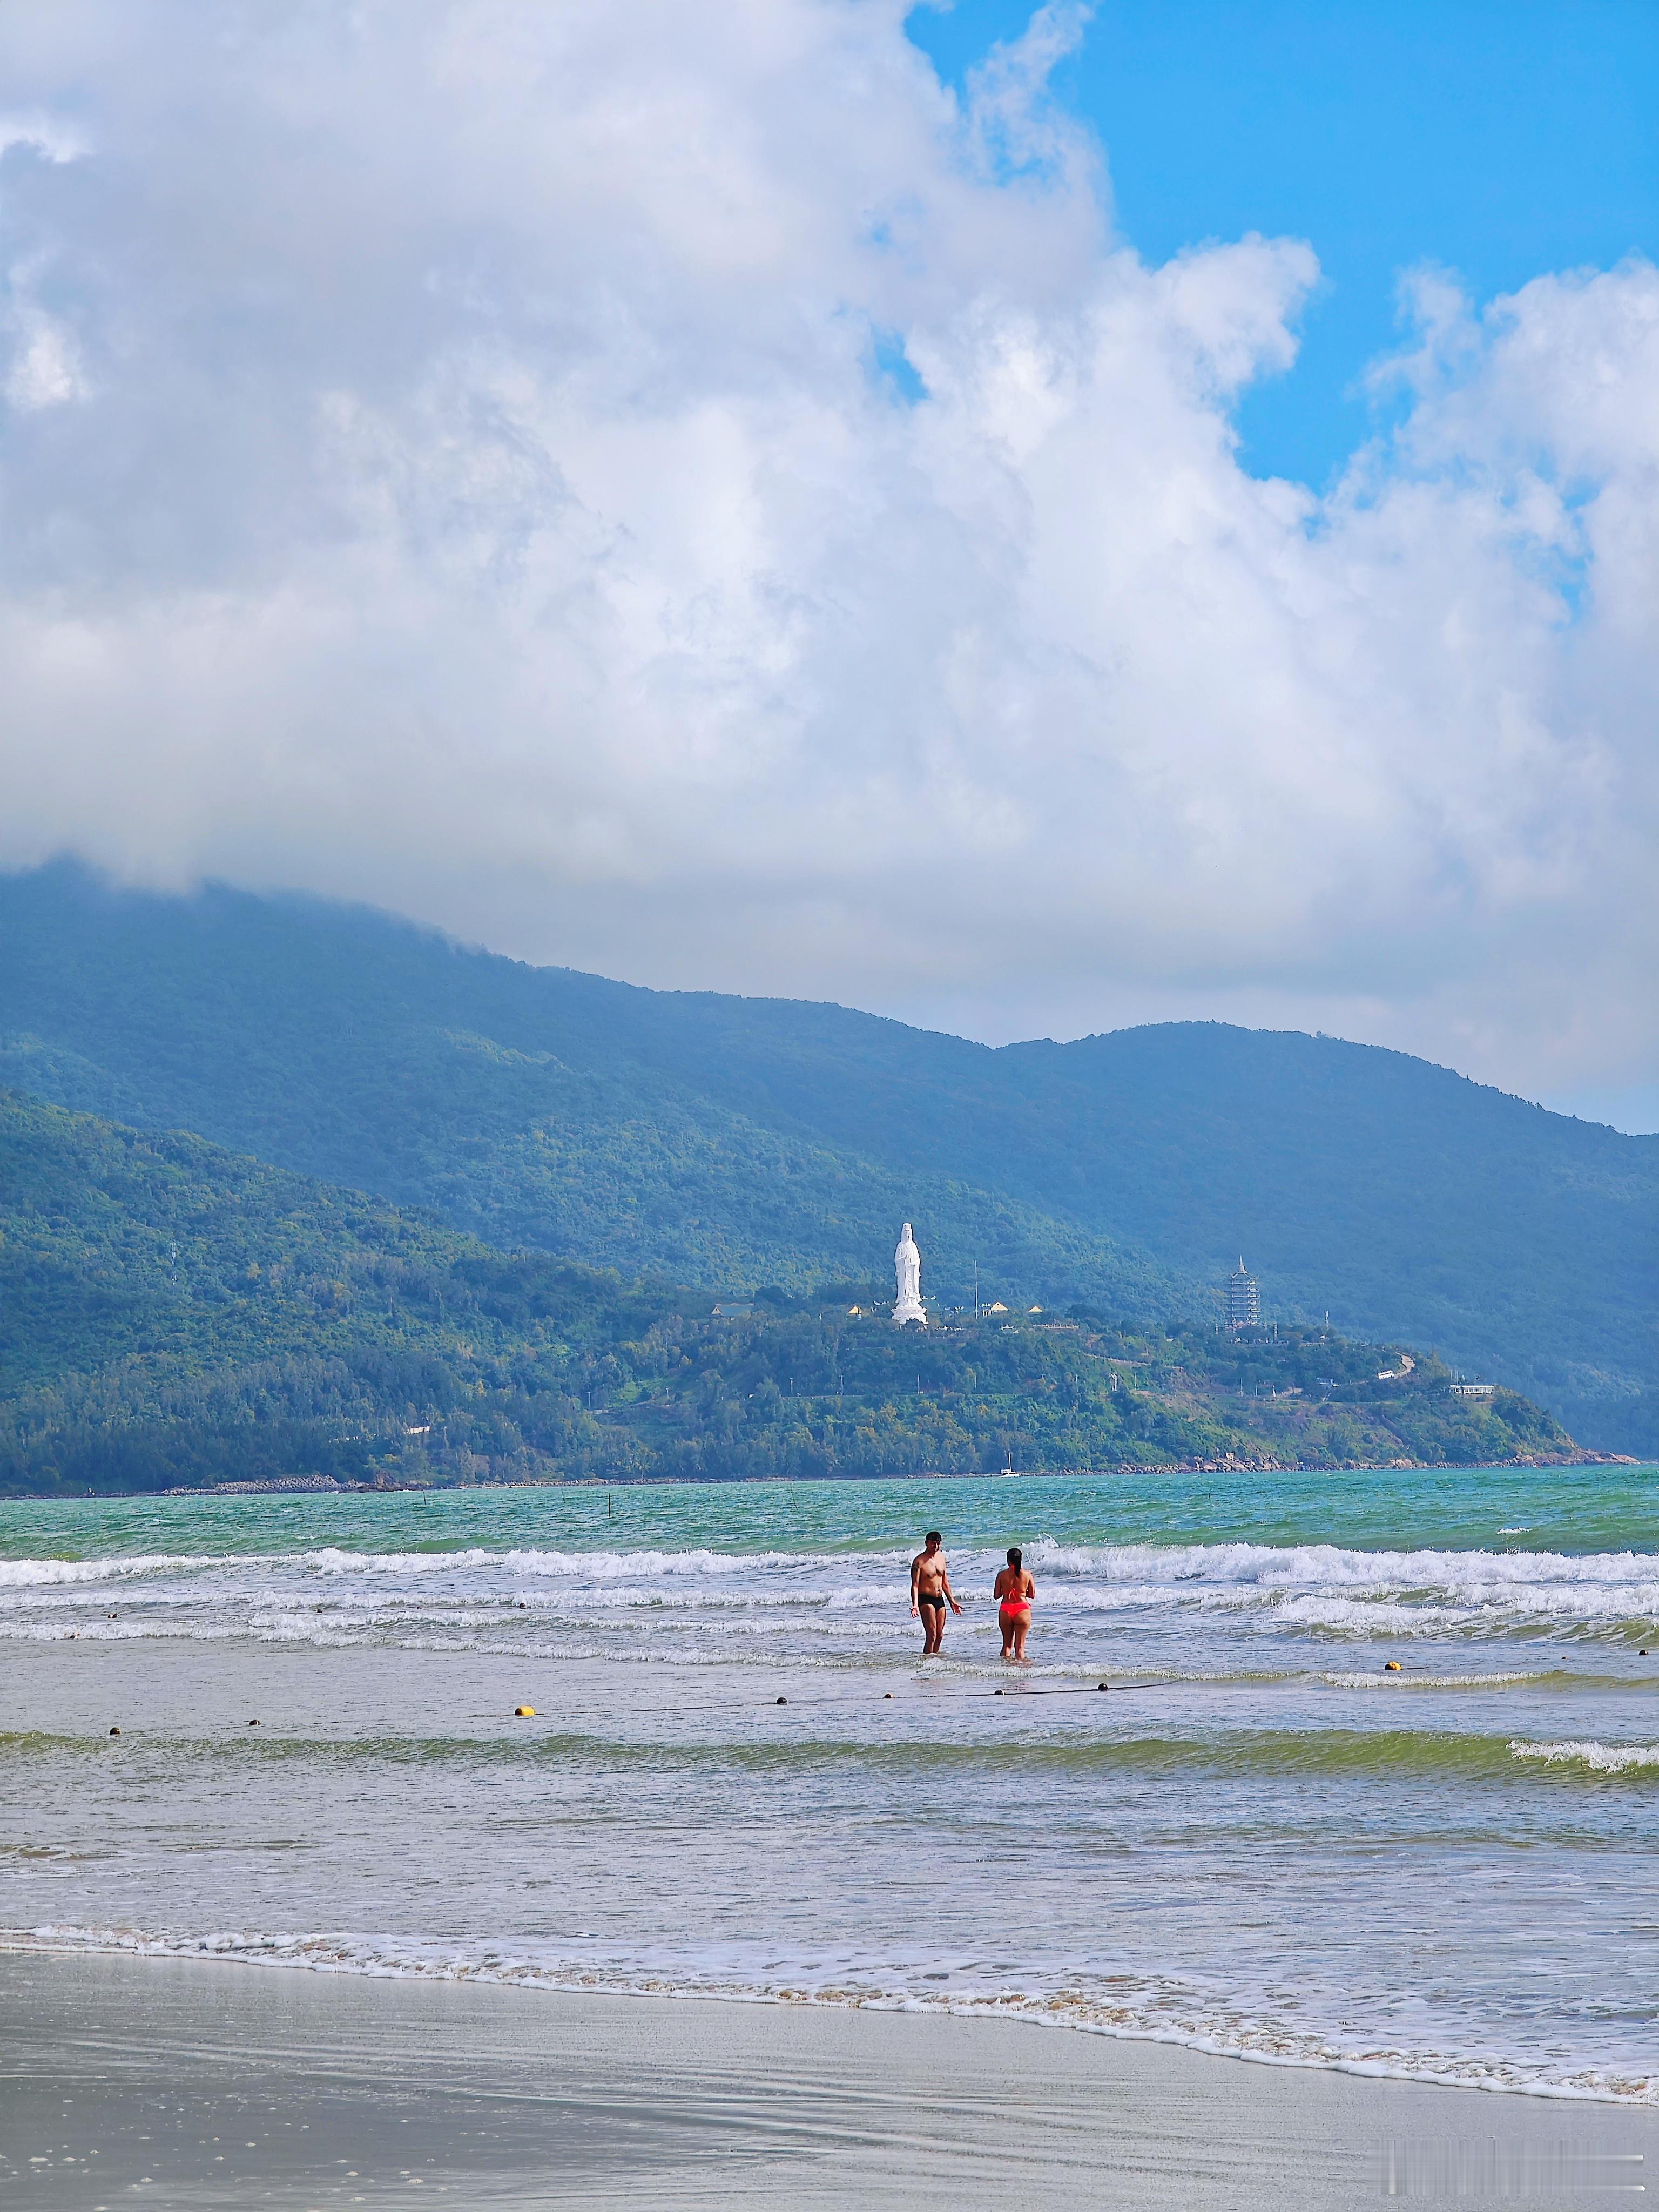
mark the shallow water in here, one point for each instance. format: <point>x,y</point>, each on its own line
<point>1256,1840</point>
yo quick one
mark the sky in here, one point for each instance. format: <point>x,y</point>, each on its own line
<point>1022,521</point>
<point>1495,139</point>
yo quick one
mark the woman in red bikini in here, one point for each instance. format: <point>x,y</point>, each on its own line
<point>1014,1590</point>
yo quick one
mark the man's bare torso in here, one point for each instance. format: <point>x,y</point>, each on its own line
<point>930,1572</point>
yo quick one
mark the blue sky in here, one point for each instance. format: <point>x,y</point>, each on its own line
<point>1498,138</point>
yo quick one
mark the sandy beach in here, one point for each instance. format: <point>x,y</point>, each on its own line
<point>156,2081</point>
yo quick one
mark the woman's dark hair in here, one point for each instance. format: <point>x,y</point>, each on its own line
<point>1016,1557</point>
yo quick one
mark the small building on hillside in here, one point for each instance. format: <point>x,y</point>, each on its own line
<point>1244,1299</point>
<point>733,1310</point>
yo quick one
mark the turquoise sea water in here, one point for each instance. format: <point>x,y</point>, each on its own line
<point>1257,1839</point>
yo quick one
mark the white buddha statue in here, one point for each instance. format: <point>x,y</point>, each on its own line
<point>906,1265</point>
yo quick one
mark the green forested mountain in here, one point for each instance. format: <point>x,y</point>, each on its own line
<point>729,1142</point>
<point>523,1105</point>
<point>172,1313</point>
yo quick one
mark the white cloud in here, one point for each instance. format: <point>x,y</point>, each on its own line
<point>481,495</point>
<point>50,137</point>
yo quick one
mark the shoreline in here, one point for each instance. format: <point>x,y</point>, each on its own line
<point>307,1485</point>
<point>346,1960</point>
<point>162,2082</point>
<point>327,1486</point>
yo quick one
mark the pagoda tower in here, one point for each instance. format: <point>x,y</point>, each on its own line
<point>1244,1299</point>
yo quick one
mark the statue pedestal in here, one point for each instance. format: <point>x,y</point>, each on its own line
<point>909,1310</point>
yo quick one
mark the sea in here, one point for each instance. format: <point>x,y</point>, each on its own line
<point>1372,1783</point>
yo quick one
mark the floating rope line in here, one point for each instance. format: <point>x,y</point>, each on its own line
<point>846,1697</point>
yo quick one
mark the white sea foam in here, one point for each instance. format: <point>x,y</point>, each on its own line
<point>1497,1678</point>
<point>699,1592</point>
<point>39,1574</point>
<point>1133,1573</point>
<point>1316,1582</point>
<point>1603,1758</point>
<point>1137,2009</point>
<point>580,1567</point>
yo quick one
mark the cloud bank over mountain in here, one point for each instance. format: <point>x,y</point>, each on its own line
<point>679,492</point>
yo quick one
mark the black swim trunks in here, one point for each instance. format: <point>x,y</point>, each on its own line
<point>926,1597</point>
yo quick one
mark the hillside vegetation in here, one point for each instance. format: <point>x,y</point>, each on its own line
<point>174,1315</point>
<point>726,1142</point>
<point>360,1050</point>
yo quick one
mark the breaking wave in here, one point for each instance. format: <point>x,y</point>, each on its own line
<point>1597,1758</point>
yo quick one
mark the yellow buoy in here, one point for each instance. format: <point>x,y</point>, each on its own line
<point>1391,1667</point>
<point>523,1713</point>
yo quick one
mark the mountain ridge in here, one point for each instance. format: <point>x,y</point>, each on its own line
<point>731,1141</point>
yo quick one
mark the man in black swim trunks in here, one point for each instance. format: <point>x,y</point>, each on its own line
<point>930,1593</point>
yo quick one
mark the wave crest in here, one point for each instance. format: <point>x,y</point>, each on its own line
<point>1600,1758</point>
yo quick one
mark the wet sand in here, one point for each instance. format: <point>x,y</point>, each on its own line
<point>157,2083</point>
